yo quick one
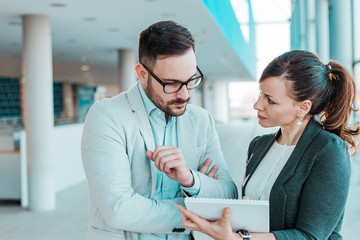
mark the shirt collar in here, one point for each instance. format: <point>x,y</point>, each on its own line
<point>149,105</point>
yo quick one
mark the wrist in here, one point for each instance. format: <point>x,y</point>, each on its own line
<point>189,180</point>
<point>235,235</point>
<point>244,234</point>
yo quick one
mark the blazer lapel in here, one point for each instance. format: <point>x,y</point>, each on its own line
<point>187,139</point>
<point>255,158</point>
<point>138,108</point>
<point>310,132</point>
<point>277,194</point>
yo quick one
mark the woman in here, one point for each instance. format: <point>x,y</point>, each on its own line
<point>303,169</point>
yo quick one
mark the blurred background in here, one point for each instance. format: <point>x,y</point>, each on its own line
<point>57,57</point>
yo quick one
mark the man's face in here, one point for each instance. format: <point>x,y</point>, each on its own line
<point>169,69</point>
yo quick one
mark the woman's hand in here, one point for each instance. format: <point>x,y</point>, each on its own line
<point>219,230</point>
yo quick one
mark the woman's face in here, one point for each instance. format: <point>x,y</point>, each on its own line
<point>274,106</point>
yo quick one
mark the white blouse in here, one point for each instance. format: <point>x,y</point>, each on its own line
<point>265,175</point>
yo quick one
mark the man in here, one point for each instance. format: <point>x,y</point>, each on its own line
<point>142,150</point>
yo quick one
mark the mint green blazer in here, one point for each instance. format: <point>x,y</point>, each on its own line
<point>307,200</point>
<point>122,180</point>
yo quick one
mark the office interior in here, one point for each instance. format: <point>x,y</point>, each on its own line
<point>58,57</point>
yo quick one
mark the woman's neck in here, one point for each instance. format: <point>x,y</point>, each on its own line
<point>290,134</point>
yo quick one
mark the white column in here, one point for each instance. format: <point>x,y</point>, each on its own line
<point>38,110</point>
<point>197,97</point>
<point>126,69</point>
<point>216,99</point>
<point>311,26</point>
<point>322,30</point>
<point>356,7</point>
<point>222,101</point>
<point>356,28</point>
<point>341,32</point>
<point>209,97</point>
<point>303,24</point>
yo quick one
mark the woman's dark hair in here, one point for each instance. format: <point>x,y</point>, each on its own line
<point>330,88</point>
<point>163,38</point>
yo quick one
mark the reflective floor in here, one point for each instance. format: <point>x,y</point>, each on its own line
<point>69,220</point>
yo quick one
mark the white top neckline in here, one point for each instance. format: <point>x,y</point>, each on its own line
<point>265,175</point>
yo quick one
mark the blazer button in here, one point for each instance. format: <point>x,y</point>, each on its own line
<point>178,230</point>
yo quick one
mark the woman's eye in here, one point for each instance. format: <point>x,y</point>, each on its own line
<point>271,102</point>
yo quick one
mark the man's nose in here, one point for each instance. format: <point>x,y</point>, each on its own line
<point>183,93</point>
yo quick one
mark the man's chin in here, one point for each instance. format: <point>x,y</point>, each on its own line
<point>177,111</point>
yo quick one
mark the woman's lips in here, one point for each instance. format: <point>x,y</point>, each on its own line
<point>260,117</point>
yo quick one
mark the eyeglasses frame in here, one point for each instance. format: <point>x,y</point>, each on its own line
<point>182,83</point>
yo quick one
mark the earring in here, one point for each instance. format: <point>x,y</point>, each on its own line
<point>299,122</point>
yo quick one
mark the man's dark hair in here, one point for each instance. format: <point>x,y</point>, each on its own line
<point>163,38</point>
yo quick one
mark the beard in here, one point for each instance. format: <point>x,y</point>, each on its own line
<point>162,105</point>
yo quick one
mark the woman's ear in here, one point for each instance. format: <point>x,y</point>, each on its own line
<point>141,73</point>
<point>304,108</point>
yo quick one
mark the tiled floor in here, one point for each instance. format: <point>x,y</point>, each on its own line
<point>69,220</point>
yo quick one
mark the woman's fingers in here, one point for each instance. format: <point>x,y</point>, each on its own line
<point>190,220</point>
<point>188,213</point>
<point>220,229</point>
<point>225,217</point>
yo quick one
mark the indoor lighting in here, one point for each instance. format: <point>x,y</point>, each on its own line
<point>89,19</point>
<point>85,68</point>
<point>58,5</point>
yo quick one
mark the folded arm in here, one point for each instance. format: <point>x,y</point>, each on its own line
<point>223,186</point>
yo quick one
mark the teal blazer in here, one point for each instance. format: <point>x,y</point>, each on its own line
<point>307,200</point>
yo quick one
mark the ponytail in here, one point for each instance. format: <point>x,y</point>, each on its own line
<point>337,113</point>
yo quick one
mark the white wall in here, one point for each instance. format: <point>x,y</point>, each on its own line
<point>66,163</point>
<point>67,156</point>
<point>10,175</point>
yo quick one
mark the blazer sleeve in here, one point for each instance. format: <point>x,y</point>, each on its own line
<point>324,194</point>
<point>224,186</point>
<point>108,173</point>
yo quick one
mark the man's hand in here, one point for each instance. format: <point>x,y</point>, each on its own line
<point>213,171</point>
<point>170,160</point>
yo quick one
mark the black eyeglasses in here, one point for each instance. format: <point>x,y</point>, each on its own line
<point>174,87</point>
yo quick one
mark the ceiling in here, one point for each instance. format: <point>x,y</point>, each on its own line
<point>89,32</point>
